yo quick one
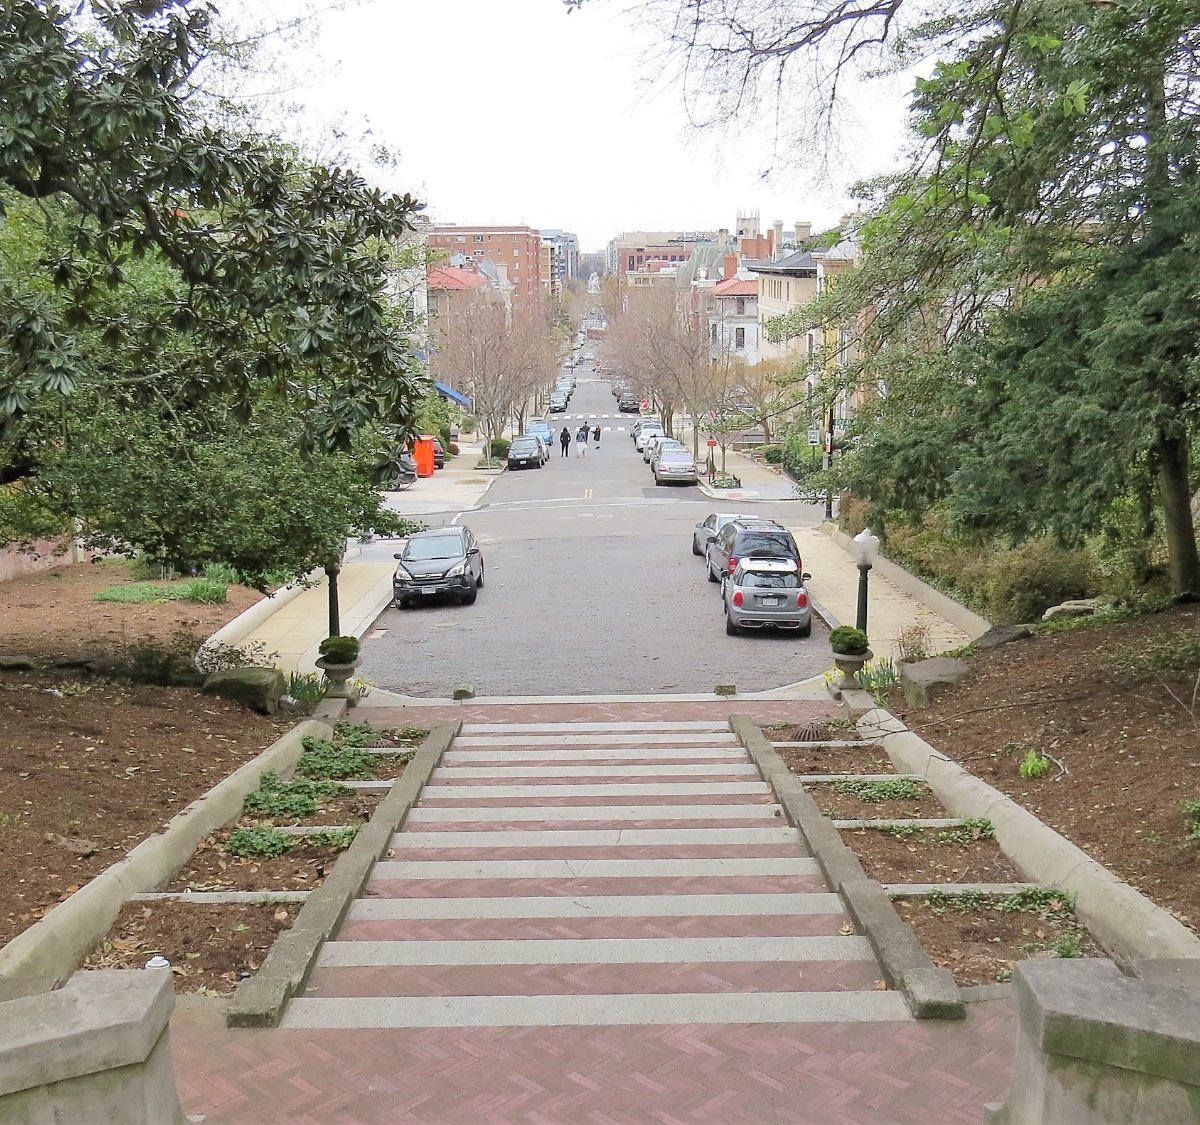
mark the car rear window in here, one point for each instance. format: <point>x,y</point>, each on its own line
<point>788,580</point>
<point>675,455</point>
<point>524,445</point>
<point>771,545</point>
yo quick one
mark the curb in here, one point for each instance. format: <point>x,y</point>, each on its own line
<point>51,949</point>
<point>966,620</point>
<point>1120,917</point>
<point>930,992</point>
<point>260,1001</point>
<point>377,599</point>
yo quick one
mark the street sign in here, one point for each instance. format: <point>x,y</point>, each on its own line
<point>711,442</point>
<point>645,403</point>
<point>814,436</point>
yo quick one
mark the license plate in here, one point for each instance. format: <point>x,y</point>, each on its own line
<point>768,601</point>
<point>428,591</point>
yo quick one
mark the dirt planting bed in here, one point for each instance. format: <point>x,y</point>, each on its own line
<point>212,947</point>
<point>979,940</point>
<point>1114,704</point>
<point>847,806</point>
<point>213,869</point>
<point>852,758</point>
<point>351,808</point>
<point>921,856</point>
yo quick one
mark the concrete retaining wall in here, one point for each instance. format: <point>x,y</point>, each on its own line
<point>1097,1047</point>
<point>44,955</point>
<point>95,1051</point>
<point>1122,919</point>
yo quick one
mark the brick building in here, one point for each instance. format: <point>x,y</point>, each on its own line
<point>517,248</point>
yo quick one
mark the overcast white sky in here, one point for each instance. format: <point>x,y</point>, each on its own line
<point>513,111</point>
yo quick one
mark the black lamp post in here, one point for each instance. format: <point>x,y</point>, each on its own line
<point>864,546</point>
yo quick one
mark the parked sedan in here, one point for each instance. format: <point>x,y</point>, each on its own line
<point>558,403</point>
<point>656,445</point>
<point>675,466</point>
<point>526,452</point>
<point>703,532</point>
<point>645,433</point>
<point>766,594</point>
<point>443,560</point>
<point>541,429</point>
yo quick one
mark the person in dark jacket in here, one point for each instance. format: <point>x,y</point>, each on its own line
<point>596,436</point>
<point>564,439</point>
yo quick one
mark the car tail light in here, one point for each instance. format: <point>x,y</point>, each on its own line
<point>802,599</point>
<point>732,564</point>
<point>737,598</point>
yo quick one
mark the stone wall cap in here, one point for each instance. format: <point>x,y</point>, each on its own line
<point>100,1020</point>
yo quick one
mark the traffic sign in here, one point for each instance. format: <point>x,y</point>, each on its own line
<point>711,442</point>
<point>814,436</point>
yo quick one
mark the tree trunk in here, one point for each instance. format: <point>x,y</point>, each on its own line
<point>1183,560</point>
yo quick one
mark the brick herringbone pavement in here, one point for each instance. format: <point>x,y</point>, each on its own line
<point>479,915</point>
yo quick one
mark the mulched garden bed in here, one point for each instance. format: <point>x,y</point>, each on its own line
<point>212,948</point>
<point>852,758</point>
<point>353,807</point>
<point>213,869</point>
<point>979,938</point>
<point>827,729</point>
<point>387,766</point>
<point>847,806</point>
<point>918,857</point>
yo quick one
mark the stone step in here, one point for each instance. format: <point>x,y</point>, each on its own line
<point>429,814</point>
<point>593,951</point>
<point>612,789</point>
<point>590,868</point>
<point>615,837</point>
<point>614,727</point>
<point>599,739</point>
<point>451,771</point>
<point>595,1011</point>
<point>649,754</point>
<point>599,906</point>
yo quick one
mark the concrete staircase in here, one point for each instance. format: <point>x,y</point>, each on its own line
<point>593,874</point>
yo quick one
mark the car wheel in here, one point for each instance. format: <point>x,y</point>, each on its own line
<point>658,482</point>
<point>806,630</point>
<point>400,603</point>
<point>696,550</point>
<point>469,598</point>
<point>479,584</point>
<point>711,575</point>
<point>731,630</point>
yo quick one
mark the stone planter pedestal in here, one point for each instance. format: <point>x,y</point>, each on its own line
<point>850,664</point>
<point>337,675</point>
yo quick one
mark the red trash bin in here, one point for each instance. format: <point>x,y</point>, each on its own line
<point>423,454</point>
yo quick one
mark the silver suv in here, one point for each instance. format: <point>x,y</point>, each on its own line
<point>766,593</point>
<point>749,539</point>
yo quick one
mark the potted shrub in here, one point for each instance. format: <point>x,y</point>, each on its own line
<point>851,651</point>
<point>338,659</point>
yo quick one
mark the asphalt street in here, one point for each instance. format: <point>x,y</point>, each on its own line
<point>591,588</point>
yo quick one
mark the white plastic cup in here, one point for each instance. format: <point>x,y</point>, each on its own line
<point>158,961</point>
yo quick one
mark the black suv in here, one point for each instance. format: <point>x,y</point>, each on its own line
<point>748,539</point>
<point>629,404</point>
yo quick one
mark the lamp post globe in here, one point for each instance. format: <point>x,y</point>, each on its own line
<point>865,548</point>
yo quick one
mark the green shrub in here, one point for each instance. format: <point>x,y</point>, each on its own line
<point>300,797</point>
<point>307,688</point>
<point>444,437</point>
<point>847,639</point>
<point>1191,818</point>
<point>208,591</point>
<point>222,572</point>
<point>469,425</point>
<point>357,734</point>
<point>267,843</point>
<point>498,448</point>
<point>453,449</point>
<point>340,650</point>
<point>324,758</point>
<point>1025,581</point>
<point>891,789</point>
<point>772,454</point>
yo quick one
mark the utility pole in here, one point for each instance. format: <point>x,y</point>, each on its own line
<point>828,463</point>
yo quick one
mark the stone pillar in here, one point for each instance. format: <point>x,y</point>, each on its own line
<point>96,1051</point>
<point>1095,1047</point>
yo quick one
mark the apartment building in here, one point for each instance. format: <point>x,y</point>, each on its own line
<point>517,248</point>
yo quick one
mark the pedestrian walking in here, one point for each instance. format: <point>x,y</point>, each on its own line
<point>564,439</point>
<point>581,441</point>
<point>596,436</point>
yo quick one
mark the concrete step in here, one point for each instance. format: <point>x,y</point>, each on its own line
<point>594,951</point>
<point>602,728</point>
<point>613,814</point>
<point>615,837</point>
<point>613,789</point>
<point>613,755</point>
<point>452,771</point>
<point>595,1011</point>
<point>590,868</point>
<point>599,739</point>
<point>599,906</point>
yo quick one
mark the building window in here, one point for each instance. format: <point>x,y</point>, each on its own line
<point>739,338</point>
<point>712,333</point>
<point>741,306</point>
<point>477,238</point>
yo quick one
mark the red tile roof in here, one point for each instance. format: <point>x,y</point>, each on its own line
<point>451,277</point>
<point>736,287</point>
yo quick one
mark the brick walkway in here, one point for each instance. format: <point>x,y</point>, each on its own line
<point>608,925</point>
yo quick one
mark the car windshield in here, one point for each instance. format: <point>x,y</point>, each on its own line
<point>435,547</point>
<point>788,580</point>
<point>770,544</point>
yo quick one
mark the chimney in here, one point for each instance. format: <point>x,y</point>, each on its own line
<point>731,265</point>
<point>777,243</point>
<point>803,231</point>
